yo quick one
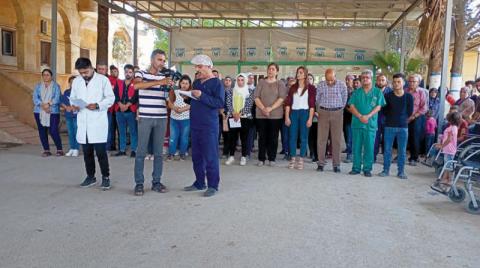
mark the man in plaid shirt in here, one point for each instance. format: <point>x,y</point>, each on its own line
<point>331,98</point>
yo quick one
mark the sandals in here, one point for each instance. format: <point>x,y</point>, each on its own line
<point>300,163</point>
<point>292,163</point>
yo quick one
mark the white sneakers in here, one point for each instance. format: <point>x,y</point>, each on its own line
<point>73,153</point>
<point>230,160</point>
<point>243,161</point>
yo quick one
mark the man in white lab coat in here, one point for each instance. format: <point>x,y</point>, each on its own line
<point>92,95</point>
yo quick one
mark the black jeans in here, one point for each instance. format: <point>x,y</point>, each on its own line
<point>268,138</point>
<point>233,136</point>
<point>89,158</point>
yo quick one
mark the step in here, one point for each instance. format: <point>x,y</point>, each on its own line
<point>18,129</point>
<point>11,123</point>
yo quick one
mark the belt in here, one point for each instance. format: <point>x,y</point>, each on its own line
<point>330,109</point>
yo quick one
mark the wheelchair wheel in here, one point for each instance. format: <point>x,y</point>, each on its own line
<point>438,170</point>
<point>457,198</point>
<point>471,209</point>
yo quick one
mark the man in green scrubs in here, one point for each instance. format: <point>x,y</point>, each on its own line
<point>365,103</point>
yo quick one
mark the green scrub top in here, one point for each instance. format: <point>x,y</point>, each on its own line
<point>365,103</point>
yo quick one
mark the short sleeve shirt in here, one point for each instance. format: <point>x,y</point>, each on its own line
<point>365,103</point>
<point>268,93</point>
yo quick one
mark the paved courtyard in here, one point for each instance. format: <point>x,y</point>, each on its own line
<point>262,217</point>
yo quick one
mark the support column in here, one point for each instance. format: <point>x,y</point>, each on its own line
<point>402,48</point>
<point>135,42</point>
<point>446,49</point>
<point>53,47</point>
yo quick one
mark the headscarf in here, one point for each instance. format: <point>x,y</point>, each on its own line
<point>240,94</point>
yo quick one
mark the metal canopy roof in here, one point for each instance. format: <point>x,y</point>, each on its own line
<point>318,13</point>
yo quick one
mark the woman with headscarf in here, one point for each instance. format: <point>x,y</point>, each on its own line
<point>239,112</point>
<point>299,111</point>
<point>46,110</point>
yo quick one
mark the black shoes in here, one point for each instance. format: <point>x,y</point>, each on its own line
<point>159,188</point>
<point>354,172</point>
<point>367,173</point>
<point>336,169</point>
<point>88,182</point>
<point>138,191</point>
<point>133,154</point>
<point>120,154</point>
<point>210,192</point>
<point>105,184</point>
<point>193,188</point>
<point>320,168</point>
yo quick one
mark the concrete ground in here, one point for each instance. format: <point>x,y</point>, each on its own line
<point>262,217</point>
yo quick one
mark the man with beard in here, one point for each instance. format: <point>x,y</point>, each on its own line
<point>126,99</point>
<point>92,122</point>
<point>382,84</point>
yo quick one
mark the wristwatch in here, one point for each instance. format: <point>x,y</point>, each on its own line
<point>97,106</point>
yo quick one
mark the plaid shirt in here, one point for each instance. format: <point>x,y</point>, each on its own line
<point>334,96</point>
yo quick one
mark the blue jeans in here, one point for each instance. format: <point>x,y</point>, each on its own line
<point>125,119</point>
<point>284,132</point>
<point>429,140</point>
<point>72,132</point>
<point>146,127</point>
<point>402,137</point>
<point>179,136</point>
<point>299,120</point>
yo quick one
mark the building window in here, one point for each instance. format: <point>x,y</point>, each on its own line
<point>45,53</point>
<point>84,53</point>
<point>8,43</point>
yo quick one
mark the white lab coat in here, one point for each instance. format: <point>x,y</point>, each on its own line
<point>93,124</point>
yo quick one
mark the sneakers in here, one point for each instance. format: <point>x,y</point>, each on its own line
<point>261,163</point>
<point>383,174</point>
<point>402,176</point>
<point>69,153</point>
<point>230,160</point>
<point>319,168</point>
<point>133,154</point>
<point>336,169</point>
<point>193,188</point>
<point>59,153</point>
<point>367,173</point>
<point>120,153</point>
<point>169,158</point>
<point>243,161</point>
<point>105,184</point>
<point>88,182</point>
<point>272,163</point>
<point>138,191</point>
<point>75,153</point>
<point>354,172</point>
<point>210,192</point>
<point>183,157</point>
<point>159,188</point>
<point>149,157</point>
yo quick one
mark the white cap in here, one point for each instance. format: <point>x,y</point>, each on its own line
<point>202,60</point>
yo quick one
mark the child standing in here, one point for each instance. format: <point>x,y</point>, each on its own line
<point>71,119</point>
<point>449,148</point>
<point>430,128</point>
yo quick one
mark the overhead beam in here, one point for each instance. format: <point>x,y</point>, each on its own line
<point>132,14</point>
<point>404,14</point>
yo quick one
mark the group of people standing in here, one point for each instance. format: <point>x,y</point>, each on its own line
<point>314,117</point>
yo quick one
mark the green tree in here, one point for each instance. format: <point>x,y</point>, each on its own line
<point>119,50</point>
<point>161,40</point>
<point>389,63</point>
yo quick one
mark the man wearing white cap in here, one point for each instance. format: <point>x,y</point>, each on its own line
<point>208,96</point>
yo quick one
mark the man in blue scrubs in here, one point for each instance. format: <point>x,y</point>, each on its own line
<point>208,97</point>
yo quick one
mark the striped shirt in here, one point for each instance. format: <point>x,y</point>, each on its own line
<point>152,102</point>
